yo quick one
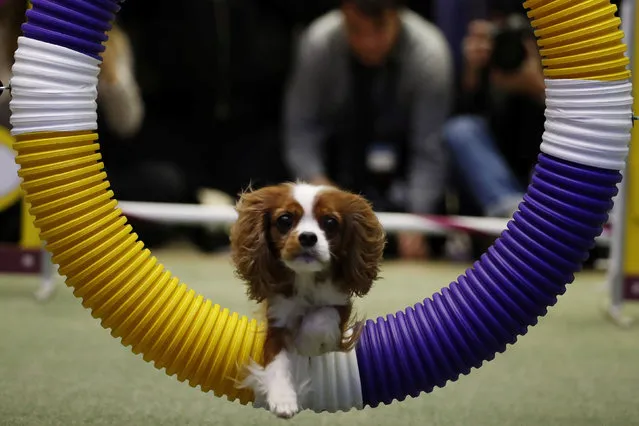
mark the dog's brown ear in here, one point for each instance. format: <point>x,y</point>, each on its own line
<point>256,261</point>
<point>351,326</point>
<point>362,245</point>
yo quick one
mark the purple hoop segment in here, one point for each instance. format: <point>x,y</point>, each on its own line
<point>78,25</point>
<point>500,296</point>
<point>476,317</point>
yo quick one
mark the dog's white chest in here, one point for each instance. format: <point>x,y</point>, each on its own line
<point>288,312</point>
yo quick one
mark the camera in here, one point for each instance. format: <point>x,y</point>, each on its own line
<point>509,51</point>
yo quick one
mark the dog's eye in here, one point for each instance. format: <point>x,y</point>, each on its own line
<point>329,224</point>
<point>284,223</point>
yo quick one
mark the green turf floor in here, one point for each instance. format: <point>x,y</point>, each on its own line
<point>59,367</point>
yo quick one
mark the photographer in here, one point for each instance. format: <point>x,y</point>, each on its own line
<point>494,139</point>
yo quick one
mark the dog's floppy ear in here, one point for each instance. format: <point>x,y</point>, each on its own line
<point>363,244</point>
<point>252,250</point>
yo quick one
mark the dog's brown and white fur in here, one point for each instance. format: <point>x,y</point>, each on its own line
<point>305,252</point>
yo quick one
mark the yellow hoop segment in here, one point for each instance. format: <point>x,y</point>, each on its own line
<point>119,280</point>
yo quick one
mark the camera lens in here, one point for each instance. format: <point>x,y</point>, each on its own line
<point>509,51</point>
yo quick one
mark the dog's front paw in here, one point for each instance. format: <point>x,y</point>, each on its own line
<point>319,333</point>
<point>283,404</point>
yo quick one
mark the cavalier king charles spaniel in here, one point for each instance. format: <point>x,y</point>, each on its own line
<point>304,252</point>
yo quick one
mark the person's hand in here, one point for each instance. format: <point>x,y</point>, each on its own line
<point>412,246</point>
<point>108,67</point>
<point>528,80</point>
<point>477,45</point>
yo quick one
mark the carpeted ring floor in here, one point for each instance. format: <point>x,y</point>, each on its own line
<point>59,367</point>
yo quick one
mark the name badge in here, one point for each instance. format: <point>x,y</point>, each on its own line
<point>381,158</point>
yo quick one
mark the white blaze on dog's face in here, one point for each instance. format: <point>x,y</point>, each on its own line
<point>305,230</point>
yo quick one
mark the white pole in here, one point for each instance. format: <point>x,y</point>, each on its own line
<point>223,216</point>
<point>615,276</point>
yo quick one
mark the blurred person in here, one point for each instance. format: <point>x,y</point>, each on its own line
<point>494,141</point>
<point>368,95</point>
<point>120,115</point>
<point>118,92</point>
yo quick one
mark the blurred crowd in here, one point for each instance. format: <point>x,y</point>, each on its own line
<point>424,106</point>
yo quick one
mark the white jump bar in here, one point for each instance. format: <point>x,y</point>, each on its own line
<point>171,213</point>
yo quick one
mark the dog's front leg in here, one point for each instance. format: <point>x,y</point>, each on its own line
<point>281,393</point>
<point>275,380</point>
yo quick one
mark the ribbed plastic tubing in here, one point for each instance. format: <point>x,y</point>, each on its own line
<point>584,147</point>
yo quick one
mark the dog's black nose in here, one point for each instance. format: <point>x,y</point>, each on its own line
<point>307,239</point>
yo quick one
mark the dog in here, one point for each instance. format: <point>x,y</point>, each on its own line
<point>304,252</point>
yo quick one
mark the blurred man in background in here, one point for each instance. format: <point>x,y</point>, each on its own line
<point>369,93</point>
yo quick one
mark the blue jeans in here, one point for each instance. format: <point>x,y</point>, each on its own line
<point>480,167</point>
